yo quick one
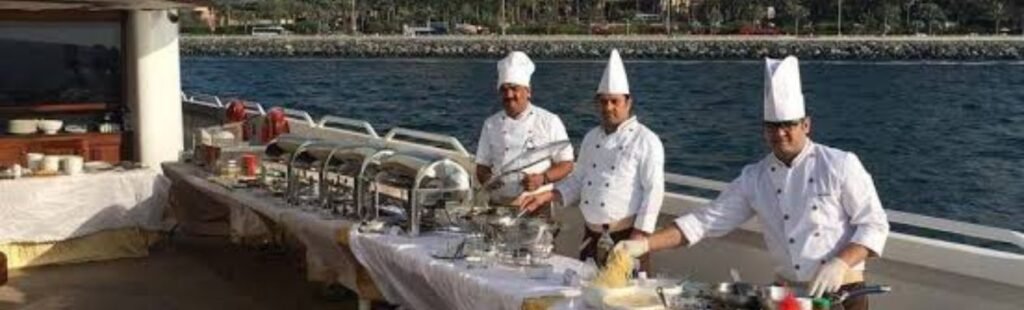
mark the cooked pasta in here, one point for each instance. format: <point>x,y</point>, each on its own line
<point>616,271</point>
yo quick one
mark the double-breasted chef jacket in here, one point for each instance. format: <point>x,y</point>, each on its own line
<point>808,211</point>
<point>618,175</point>
<point>504,138</point>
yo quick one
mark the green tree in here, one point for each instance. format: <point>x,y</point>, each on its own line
<point>797,11</point>
<point>908,5</point>
<point>715,19</point>
<point>996,10</point>
<point>932,14</point>
<point>888,12</point>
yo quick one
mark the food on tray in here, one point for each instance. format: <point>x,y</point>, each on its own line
<point>630,301</point>
<point>616,271</point>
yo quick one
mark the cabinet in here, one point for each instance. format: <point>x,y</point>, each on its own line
<point>92,146</point>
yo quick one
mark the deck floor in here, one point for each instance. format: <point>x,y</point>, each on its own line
<point>186,273</point>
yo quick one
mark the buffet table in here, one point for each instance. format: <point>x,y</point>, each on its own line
<point>256,215</point>
<point>85,217</point>
<point>392,268</point>
<point>408,275</point>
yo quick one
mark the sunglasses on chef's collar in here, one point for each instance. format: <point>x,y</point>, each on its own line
<point>784,125</point>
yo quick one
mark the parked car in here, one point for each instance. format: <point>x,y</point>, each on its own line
<point>269,31</point>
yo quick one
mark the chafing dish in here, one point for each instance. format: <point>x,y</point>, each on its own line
<point>429,181</point>
<point>291,149</point>
<point>340,167</point>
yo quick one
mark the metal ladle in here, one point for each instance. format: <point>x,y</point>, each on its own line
<point>533,157</point>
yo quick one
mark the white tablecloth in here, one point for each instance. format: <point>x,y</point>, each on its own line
<point>326,260</point>
<point>407,275</point>
<point>57,208</point>
<point>401,267</point>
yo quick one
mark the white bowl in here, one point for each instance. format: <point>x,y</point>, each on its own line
<point>22,126</point>
<point>50,126</point>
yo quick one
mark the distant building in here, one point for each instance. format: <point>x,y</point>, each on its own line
<point>206,16</point>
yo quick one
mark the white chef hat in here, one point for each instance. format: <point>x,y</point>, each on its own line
<point>783,95</point>
<point>516,68</point>
<point>614,80</point>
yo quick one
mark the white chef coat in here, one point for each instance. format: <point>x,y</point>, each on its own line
<point>808,212</point>
<point>618,175</point>
<point>504,138</point>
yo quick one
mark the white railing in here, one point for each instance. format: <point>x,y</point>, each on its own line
<point>451,143</point>
<point>695,182</point>
<point>203,100</point>
<point>352,123</point>
<point>1000,266</point>
<point>300,115</point>
<point>253,107</point>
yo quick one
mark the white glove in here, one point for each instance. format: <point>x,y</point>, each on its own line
<point>829,277</point>
<point>634,248</point>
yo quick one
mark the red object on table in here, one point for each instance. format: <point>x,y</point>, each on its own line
<point>236,114</point>
<point>276,125</point>
<point>235,111</point>
<point>249,162</point>
<point>789,303</point>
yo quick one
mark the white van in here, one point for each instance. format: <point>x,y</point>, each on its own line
<point>269,31</point>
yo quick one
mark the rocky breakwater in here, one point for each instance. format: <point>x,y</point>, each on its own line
<point>588,47</point>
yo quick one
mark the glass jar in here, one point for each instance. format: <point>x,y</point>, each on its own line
<point>230,170</point>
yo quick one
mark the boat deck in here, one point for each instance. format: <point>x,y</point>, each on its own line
<point>212,273</point>
<point>187,273</point>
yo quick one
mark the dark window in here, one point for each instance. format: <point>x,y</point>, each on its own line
<point>60,62</point>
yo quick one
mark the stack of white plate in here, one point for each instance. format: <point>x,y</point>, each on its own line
<point>22,126</point>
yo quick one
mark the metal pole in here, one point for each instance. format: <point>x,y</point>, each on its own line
<point>577,11</point>
<point>840,29</point>
<point>668,17</point>
<point>910,26</point>
<point>354,18</point>
<point>501,18</point>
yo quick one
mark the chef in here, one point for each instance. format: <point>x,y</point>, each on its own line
<point>619,182</point>
<point>820,214</point>
<point>520,127</point>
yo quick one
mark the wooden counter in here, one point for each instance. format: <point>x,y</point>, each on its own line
<point>92,146</point>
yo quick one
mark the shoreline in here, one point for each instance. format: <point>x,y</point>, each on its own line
<point>870,48</point>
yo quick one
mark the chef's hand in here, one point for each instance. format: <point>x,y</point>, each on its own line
<point>635,247</point>
<point>829,277</point>
<point>533,202</point>
<point>532,182</point>
<point>638,235</point>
